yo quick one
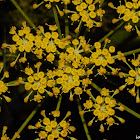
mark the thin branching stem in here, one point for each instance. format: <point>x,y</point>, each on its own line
<point>57,21</point>
<point>66,22</point>
<point>128,53</point>
<point>83,120</point>
<point>109,34</point>
<point>101,3</point>
<point>24,15</point>
<point>58,104</point>
<point>27,120</point>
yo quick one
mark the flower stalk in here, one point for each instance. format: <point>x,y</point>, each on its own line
<point>58,104</point>
<point>109,34</point>
<point>66,22</point>
<point>27,120</point>
<point>24,15</point>
<point>83,120</point>
<point>57,21</point>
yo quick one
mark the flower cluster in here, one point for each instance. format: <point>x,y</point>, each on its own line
<point>48,43</point>
<point>24,42</point>
<point>36,82</point>
<point>56,61</point>
<point>102,57</point>
<point>4,86</point>
<point>87,12</point>
<point>41,44</point>
<point>132,78</point>
<point>72,70</point>
<point>51,129</point>
<point>128,12</point>
<point>103,108</point>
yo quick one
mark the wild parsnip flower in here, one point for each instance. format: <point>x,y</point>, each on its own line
<point>51,129</point>
<point>103,108</point>
<point>42,44</point>
<point>132,79</point>
<point>36,83</point>
<point>24,42</point>
<point>55,113</point>
<point>48,43</point>
<point>4,86</point>
<point>129,12</point>
<point>102,57</point>
<point>87,11</point>
<point>72,73</point>
<point>71,62</point>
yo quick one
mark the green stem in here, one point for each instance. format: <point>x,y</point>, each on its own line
<point>66,22</point>
<point>92,97</point>
<point>128,53</point>
<point>58,104</point>
<point>57,21</point>
<point>102,3</point>
<point>27,120</point>
<point>24,15</point>
<point>130,111</point>
<point>96,87</point>
<point>83,120</point>
<point>131,52</point>
<point>126,108</point>
<point>7,55</point>
<point>79,26</point>
<point>109,34</point>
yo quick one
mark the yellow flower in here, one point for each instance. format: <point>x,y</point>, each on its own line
<point>41,90</point>
<point>35,86</point>
<point>111,49</point>
<point>91,7</point>
<point>137,83</point>
<point>97,45</point>
<point>55,133</point>
<point>99,99</point>
<point>50,57</point>
<point>42,134</point>
<point>64,133</point>
<point>132,73</point>
<point>30,79</point>
<point>88,104</point>
<point>28,86</point>
<point>101,128</point>
<point>50,137</point>
<point>121,9</point>
<point>110,121</point>
<point>70,50</point>
<point>41,74</point>
<point>50,83</point>
<point>96,112</point>
<point>75,42</point>
<point>78,90</point>
<point>135,19</point>
<point>129,5</point>
<point>111,112</point>
<point>15,38</point>
<point>46,121</point>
